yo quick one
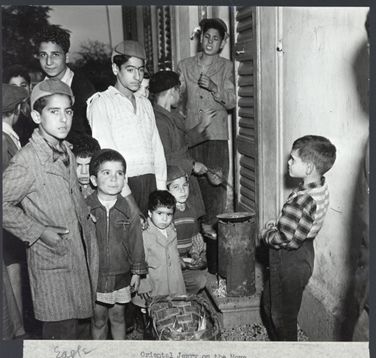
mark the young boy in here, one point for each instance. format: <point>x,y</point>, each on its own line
<point>190,242</point>
<point>18,76</point>
<point>121,252</point>
<point>291,254</point>
<point>125,122</point>
<point>144,86</point>
<point>53,45</point>
<point>43,206</point>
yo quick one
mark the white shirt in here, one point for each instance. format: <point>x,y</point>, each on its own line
<point>7,128</point>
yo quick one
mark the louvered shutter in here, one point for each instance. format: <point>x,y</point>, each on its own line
<point>246,132</point>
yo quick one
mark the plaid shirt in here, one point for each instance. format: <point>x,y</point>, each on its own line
<point>301,217</point>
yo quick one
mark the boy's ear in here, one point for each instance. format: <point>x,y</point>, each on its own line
<point>93,180</point>
<point>310,167</point>
<point>115,69</point>
<point>149,213</point>
<point>35,115</point>
<point>67,58</point>
<point>223,43</point>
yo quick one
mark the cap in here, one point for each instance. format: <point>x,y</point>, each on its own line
<point>48,87</point>
<point>129,48</point>
<point>163,80</point>
<point>216,21</point>
<point>12,96</point>
<point>174,172</point>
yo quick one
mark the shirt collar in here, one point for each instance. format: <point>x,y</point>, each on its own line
<point>7,128</point>
<point>68,77</point>
<point>312,185</point>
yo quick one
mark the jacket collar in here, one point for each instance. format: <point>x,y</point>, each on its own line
<point>161,239</point>
<point>94,203</point>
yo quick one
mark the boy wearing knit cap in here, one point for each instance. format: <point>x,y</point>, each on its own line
<point>125,122</point>
<point>43,206</point>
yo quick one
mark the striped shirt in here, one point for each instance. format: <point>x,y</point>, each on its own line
<point>301,217</point>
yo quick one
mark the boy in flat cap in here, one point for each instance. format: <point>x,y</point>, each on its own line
<point>43,206</point>
<point>124,121</point>
<point>13,248</point>
<point>53,46</point>
<point>208,86</point>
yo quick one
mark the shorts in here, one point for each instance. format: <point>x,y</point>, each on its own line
<point>122,295</point>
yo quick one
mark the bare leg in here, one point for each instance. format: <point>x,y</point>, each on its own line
<point>99,328</point>
<point>117,320</point>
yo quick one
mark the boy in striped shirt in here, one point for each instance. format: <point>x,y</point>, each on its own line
<point>291,254</point>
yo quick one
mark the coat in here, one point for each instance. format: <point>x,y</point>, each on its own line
<point>9,149</point>
<point>119,241</point>
<point>40,192</point>
<point>162,257</point>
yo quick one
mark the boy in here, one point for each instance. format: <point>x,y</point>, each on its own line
<point>43,206</point>
<point>291,254</point>
<point>190,242</point>
<point>144,86</point>
<point>53,45</point>
<point>121,252</point>
<point>17,75</point>
<point>125,122</point>
<point>13,248</point>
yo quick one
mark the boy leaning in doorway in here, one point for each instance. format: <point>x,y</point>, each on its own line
<point>42,205</point>
<point>291,253</point>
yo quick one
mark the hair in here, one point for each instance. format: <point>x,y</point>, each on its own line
<point>147,75</point>
<point>105,155</point>
<point>15,71</point>
<point>212,24</point>
<point>161,198</point>
<point>85,146</point>
<point>40,103</point>
<point>316,149</point>
<point>119,60</point>
<point>54,33</point>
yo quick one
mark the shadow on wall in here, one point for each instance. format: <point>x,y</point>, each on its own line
<point>361,79</point>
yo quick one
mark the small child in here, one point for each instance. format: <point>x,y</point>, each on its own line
<point>84,150</point>
<point>144,86</point>
<point>291,254</point>
<point>42,205</point>
<point>190,241</point>
<point>121,252</point>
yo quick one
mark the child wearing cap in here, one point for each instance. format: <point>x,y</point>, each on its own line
<point>53,45</point>
<point>290,239</point>
<point>186,220</point>
<point>165,85</point>
<point>17,75</point>
<point>43,206</point>
<point>125,122</point>
<point>207,85</point>
<point>13,248</point>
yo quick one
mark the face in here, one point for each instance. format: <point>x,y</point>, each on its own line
<point>144,88</point>
<point>109,180</point>
<point>83,170</point>
<point>179,188</point>
<point>130,75</point>
<point>19,81</point>
<point>175,96</point>
<point>162,217</point>
<point>55,121</point>
<point>297,168</point>
<point>52,59</point>
<point>212,42</point>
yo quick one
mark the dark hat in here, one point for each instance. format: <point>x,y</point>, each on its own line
<point>213,22</point>
<point>12,96</point>
<point>48,87</point>
<point>163,80</point>
<point>129,48</point>
<point>175,172</point>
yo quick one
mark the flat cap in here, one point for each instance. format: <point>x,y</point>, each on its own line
<point>49,87</point>
<point>213,22</point>
<point>175,172</point>
<point>129,48</point>
<point>12,96</point>
<point>163,80</point>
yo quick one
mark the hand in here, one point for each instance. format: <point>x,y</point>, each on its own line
<point>144,222</point>
<point>53,234</point>
<point>205,82</point>
<point>135,283</point>
<point>145,296</point>
<point>182,264</point>
<point>199,168</point>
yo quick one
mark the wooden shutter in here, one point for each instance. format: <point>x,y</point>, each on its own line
<point>246,128</point>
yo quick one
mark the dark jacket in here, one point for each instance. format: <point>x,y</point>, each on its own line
<point>119,239</point>
<point>82,89</point>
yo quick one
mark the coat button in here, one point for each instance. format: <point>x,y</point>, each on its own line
<point>201,97</point>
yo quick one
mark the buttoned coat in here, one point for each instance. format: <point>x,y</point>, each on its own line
<point>162,257</point>
<point>40,192</point>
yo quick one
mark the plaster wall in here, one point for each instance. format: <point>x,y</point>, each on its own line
<point>325,72</point>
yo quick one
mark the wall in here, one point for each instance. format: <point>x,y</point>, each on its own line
<point>323,95</point>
